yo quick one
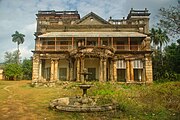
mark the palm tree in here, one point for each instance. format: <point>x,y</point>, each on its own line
<point>154,38</point>
<point>19,38</point>
<point>159,37</point>
<point>163,38</point>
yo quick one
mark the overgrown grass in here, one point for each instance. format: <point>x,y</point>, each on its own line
<point>159,101</point>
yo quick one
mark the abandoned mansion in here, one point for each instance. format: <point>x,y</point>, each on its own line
<point>115,50</point>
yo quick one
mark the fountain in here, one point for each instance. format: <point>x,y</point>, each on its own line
<point>82,103</point>
<point>85,86</point>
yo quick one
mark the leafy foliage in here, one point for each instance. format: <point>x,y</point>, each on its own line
<point>169,70</point>
<point>27,69</point>
<point>159,37</point>
<point>169,19</point>
<point>13,71</point>
<point>11,57</point>
<point>19,38</point>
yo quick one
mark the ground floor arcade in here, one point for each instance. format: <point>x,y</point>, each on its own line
<point>125,69</point>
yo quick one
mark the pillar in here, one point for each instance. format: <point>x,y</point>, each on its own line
<point>127,71</point>
<point>70,70</point>
<point>82,69</point>
<point>131,70</point>
<point>111,70</point>
<point>78,69</point>
<point>114,71</point>
<point>100,70</point>
<point>105,70</point>
<point>144,72</point>
<point>52,70</point>
<point>35,70</point>
<point>148,69</point>
<point>56,70</point>
<point>40,70</point>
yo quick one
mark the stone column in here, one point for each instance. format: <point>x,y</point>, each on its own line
<point>82,68</point>
<point>148,69</point>
<point>144,72</point>
<point>100,70</point>
<point>114,71</point>
<point>131,70</point>
<point>40,70</point>
<point>104,70</point>
<point>70,70</point>
<point>35,70</point>
<point>52,70</point>
<point>127,71</point>
<point>56,70</point>
<point>78,69</point>
<point>111,70</point>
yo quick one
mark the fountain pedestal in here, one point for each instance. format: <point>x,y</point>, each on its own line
<point>85,86</point>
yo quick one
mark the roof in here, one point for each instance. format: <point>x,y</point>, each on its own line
<point>93,15</point>
<point>92,34</point>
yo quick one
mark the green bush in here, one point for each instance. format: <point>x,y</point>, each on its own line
<point>13,71</point>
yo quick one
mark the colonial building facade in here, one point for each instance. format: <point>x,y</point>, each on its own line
<point>116,50</point>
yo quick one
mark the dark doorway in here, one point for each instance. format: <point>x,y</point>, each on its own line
<point>121,73</point>
<point>92,76</point>
<point>62,73</point>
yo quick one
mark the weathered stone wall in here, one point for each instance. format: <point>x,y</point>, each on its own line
<point>148,68</point>
<point>35,71</point>
<point>1,74</point>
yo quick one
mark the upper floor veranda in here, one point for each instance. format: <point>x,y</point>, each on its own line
<point>67,41</point>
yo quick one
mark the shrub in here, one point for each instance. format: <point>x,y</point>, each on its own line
<point>13,71</point>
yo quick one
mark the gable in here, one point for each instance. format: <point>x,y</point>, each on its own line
<point>92,19</point>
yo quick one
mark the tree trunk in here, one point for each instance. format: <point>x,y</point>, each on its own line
<point>18,55</point>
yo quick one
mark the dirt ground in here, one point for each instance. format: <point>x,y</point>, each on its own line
<point>20,101</point>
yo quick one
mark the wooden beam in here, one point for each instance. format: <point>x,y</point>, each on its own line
<point>99,41</point>
<point>72,42</point>
<point>129,42</point>
<point>112,41</point>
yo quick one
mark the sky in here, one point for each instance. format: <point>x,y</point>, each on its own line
<point>19,15</point>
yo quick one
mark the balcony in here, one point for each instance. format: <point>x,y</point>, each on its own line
<point>127,47</point>
<point>56,48</point>
<point>69,47</point>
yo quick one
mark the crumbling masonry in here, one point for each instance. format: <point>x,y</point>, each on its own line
<point>116,50</point>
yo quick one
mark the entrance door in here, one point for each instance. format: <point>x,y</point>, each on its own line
<point>138,75</point>
<point>47,73</point>
<point>92,76</point>
<point>62,73</point>
<point>121,75</point>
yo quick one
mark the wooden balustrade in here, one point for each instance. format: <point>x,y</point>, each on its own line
<point>69,47</point>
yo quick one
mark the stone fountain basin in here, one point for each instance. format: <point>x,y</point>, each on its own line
<point>80,104</point>
<point>85,86</point>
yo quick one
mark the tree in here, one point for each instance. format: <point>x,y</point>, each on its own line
<point>11,57</point>
<point>13,71</point>
<point>159,37</point>
<point>170,19</point>
<point>172,57</point>
<point>19,38</point>
<point>27,69</point>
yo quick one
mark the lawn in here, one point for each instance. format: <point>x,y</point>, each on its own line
<point>20,101</point>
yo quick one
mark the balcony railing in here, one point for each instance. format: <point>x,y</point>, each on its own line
<point>56,48</point>
<point>127,47</point>
<point>69,47</point>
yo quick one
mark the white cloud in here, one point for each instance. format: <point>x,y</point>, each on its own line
<point>20,15</point>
